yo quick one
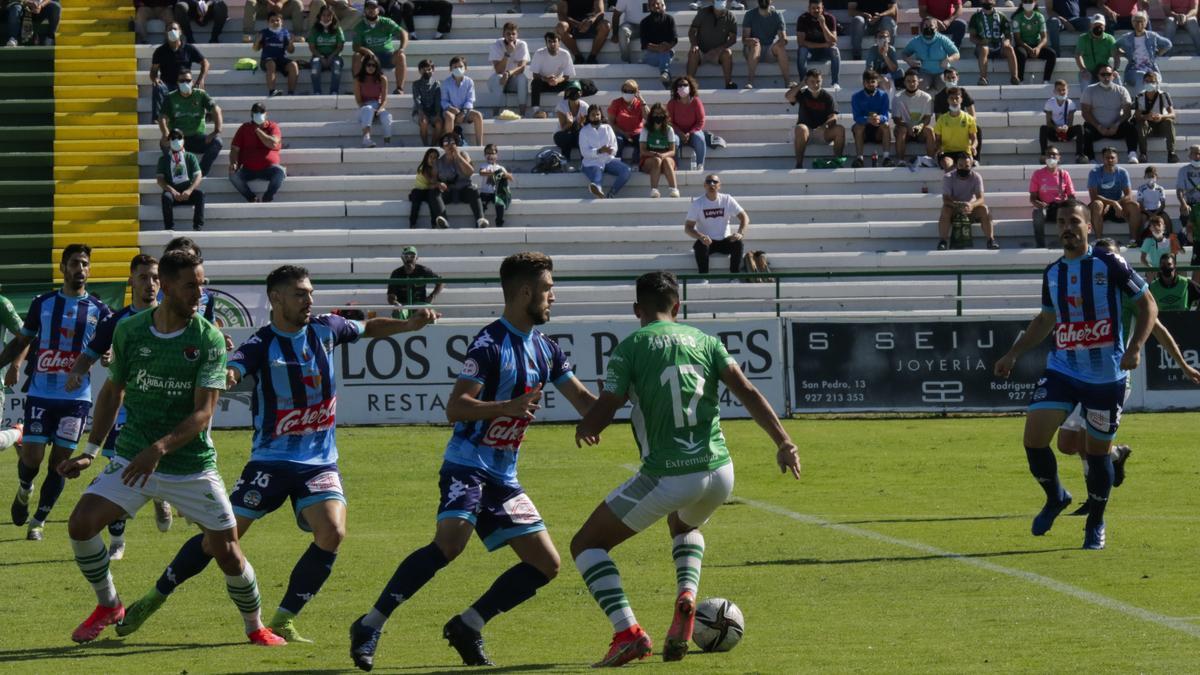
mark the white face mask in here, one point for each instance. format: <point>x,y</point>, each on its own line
<point>952,83</point>
<point>1028,7</point>
<point>177,144</point>
<point>629,98</point>
<point>458,72</point>
<point>683,91</point>
<point>1106,84</point>
<point>1195,163</point>
<point>185,88</point>
<point>955,108</point>
<point>1051,162</point>
<point>173,35</point>
<point>1060,97</point>
<point>258,117</point>
<point>1151,86</point>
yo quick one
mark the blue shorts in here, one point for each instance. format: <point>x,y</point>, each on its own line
<point>51,420</point>
<point>387,60</point>
<point>1101,403</point>
<point>499,512</point>
<point>264,486</point>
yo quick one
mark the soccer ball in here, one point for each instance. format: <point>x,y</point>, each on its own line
<point>719,625</point>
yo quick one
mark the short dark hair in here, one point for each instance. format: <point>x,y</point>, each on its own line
<point>285,273</point>
<point>274,13</point>
<point>870,74</point>
<point>507,25</point>
<point>425,63</point>
<point>1108,149</point>
<point>72,249</point>
<point>1070,204</point>
<point>954,91</point>
<point>182,244</point>
<point>658,291</point>
<point>522,268</point>
<point>458,58</point>
<point>550,35</point>
<point>258,106</point>
<point>176,133</point>
<point>812,72</point>
<point>1107,243</point>
<point>175,262</point>
<point>141,259</point>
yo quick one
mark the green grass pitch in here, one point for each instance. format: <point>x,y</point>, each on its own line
<point>904,548</point>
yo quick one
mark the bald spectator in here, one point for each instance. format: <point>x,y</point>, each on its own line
<point>709,222</point>
<point>712,35</point>
<point>962,195</point>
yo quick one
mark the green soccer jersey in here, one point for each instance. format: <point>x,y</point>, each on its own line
<point>1177,298</point>
<point>670,372</point>
<point>380,38</point>
<point>10,326</point>
<point>325,42</point>
<point>1030,28</point>
<point>186,113</point>
<point>161,374</point>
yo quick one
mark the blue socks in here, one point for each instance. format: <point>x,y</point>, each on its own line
<point>1044,468</point>
<point>190,561</point>
<point>518,584</point>
<point>414,572</point>
<point>309,574</point>
<point>25,475</point>
<point>1099,485</point>
<point>52,487</point>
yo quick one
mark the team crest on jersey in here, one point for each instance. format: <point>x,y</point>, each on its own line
<point>66,332</point>
<point>312,381</point>
<point>191,352</point>
<point>1100,279</point>
<point>484,340</point>
<point>145,352</point>
<point>470,368</point>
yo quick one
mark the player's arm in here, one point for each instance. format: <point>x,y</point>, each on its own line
<point>82,365</point>
<point>598,417</point>
<point>1167,340</point>
<point>15,349</point>
<point>1035,332</point>
<point>383,327</point>
<point>579,396</point>
<point>104,416</point>
<point>464,406</point>
<point>1146,317</point>
<point>139,469</point>
<point>760,409</point>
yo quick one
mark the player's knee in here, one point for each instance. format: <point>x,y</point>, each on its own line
<point>227,554</point>
<point>550,565</point>
<point>331,538</point>
<point>82,526</point>
<point>451,548</point>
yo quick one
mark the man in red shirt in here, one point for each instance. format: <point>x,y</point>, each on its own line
<point>255,155</point>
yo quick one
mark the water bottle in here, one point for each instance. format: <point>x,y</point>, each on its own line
<point>874,159</point>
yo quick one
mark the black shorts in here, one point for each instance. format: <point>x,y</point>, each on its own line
<point>499,511</point>
<point>265,486</point>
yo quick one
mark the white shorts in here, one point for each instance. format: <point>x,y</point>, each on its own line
<point>200,497</point>
<point>644,500</point>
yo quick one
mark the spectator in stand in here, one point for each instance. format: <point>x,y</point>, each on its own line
<point>626,22</point>
<point>941,106</point>
<point>205,13</point>
<point>179,178</point>
<point>962,195</point>
<point>882,58</point>
<point>658,141</point>
<point>1060,123</point>
<point>370,94</point>
<point>1154,115</point>
<point>1168,291</point>
<point>816,37</point>
<point>764,37</point>
<point>1107,109</point>
<point>598,147</point>
<point>1112,197</point>
<point>427,189</point>
<point>261,9</point>
<point>1141,48</point>
<point>947,19</point>
<point>385,39</point>
<point>1187,191</point>
<point>497,181</point>
<point>255,155</point>
<point>1156,244</point>
<point>325,42</point>
<point>912,113</point>
<point>167,11</point>
<point>276,43</point>
<point>582,19</point>
<point>1030,40</point>
<point>347,16</point>
<point>1065,15</point>
<point>169,58</point>
<point>687,119</point>
<point>991,34</point>
<point>427,103</point>
<point>708,222</point>
<point>956,131</point>
<point>872,110</point>
<point>628,116</point>
<point>712,35</point>
<point>1049,186</point>
<point>871,17</point>
<point>1181,13</point>
<point>659,37</point>
<point>454,168</point>
<point>458,100</point>
<point>571,113</point>
<point>931,53</point>
<point>186,109</point>
<point>817,111</point>
<point>411,294</point>
<point>403,11</point>
<point>510,56</point>
<point>1152,200</point>
<point>553,69</point>
<point>37,12</point>
<point>1095,48</point>
<point>1119,13</point>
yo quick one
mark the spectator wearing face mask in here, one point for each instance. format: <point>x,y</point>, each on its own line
<point>458,100</point>
<point>370,94</point>
<point>1152,200</point>
<point>427,103</point>
<point>497,183</point>
<point>325,42</point>
<point>179,178</point>
<point>709,223</point>
<point>1154,115</point>
<point>931,53</point>
<point>1060,125</point>
<point>345,13</point>
<point>658,141</point>
<point>882,58</point>
<point>1095,48</point>
<point>254,155</point>
<point>275,43</point>
<point>941,106</point>
<point>571,113</point>
<point>598,147</point>
<point>1107,109</point>
<point>186,109</point>
<point>871,17</point>
<point>167,11</point>
<point>687,118</point>
<point>955,132</point>
<point>962,195</point>
<point>764,37</point>
<point>169,59</point>
<point>1171,292</point>
<point>1141,49</point>
<point>946,16</point>
<point>628,116</point>
<point>1049,187</point>
<point>1031,40</point>
<point>992,35</point>
<point>1187,191</point>
<point>260,9</point>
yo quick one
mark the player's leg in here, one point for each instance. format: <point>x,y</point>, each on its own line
<point>29,463</point>
<point>324,513</point>
<point>603,531</point>
<point>1071,441</point>
<point>1102,411</point>
<point>52,488</point>
<point>116,539</point>
<point>240,582</point>
<point>1053,399</point>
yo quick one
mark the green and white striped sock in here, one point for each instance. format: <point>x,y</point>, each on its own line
<point>688,551</point>
<point>604,581</point>
<point>243,588</point>
<point>92,558</point>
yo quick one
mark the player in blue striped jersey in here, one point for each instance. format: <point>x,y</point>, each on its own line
<point>1083,295</point>
<point>294,455</point>
<point>56,329</point>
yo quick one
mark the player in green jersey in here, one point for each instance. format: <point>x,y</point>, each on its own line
<point>168,367</point>
<point>10,325</point>
<point>670,372</point>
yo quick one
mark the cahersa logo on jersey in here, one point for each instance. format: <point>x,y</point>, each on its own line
<point>310,420</point>
<point>505,433</point>
<point>56,361</point>
<point>1083,335</point>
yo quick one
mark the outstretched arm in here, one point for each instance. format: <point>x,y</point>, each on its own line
<point>1167,340</point>
<point>760,409</point>
<point>104,416</point>
<point>580,397</point>
<point>1035,332</point>
<point>383,327</point>
<point>598,418</point>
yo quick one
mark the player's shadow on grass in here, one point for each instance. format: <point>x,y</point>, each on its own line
<point>107,647</point>
<point>17,563</point>
<point>898,558</point>
<point>523,668</point>
<point>931,519</point>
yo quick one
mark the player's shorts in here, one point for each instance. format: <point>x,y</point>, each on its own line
<point>1102,404</point>
<point>644,500</point>
<point>51,420</point>
<point>199,497</point>
<point>1075,422</point>
<point>264,486</point>
<point>500,512</point>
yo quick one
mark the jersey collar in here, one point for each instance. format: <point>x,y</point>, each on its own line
<point>514,329</point>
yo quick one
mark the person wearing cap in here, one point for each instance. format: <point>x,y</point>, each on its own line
<point>255,155</point>
<point>260,9</point>
<point>186,109</point>
<point>408,294</point>
<point>385,39</point>
<point>1095,48</point>
<point>551,68</point>
<point>1142,48</point>
<point>1120,13</point>
<point>572,115</point>
<point>712,35</point>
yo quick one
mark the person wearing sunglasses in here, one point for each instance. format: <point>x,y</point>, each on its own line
<point>1107,109</point>
<point>708,222</point>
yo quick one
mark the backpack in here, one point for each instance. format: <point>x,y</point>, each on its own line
<point>587,88</point>
<point>550,160</point>
<point>960,231</point>
<point>756,261</point>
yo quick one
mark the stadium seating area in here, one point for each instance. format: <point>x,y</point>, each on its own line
<point>343,209</point>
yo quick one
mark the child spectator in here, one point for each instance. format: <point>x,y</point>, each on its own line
<point>458,101</point>
<point>1152,198</point>
<point>1060,125</point>
<point>370,93</point>
<point>658,141</point>
<point>427,103</point>
<point>275,43</point>
<point>325,42</point>
<point>496,188</point>
<point>428,189</point>
<point>1156,244</point>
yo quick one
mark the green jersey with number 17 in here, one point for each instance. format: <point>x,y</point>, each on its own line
<point>670,373</point>
<point>161,373</point>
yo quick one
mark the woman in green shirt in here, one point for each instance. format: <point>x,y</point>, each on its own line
<point>325,42</point>
<point>658,141</point>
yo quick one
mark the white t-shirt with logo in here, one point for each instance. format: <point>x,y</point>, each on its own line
<point>714,218</point>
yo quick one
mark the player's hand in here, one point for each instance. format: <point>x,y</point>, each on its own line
<point>1190,373</point>
<point>139,470</point>
<point>788,458</point>
<point>106,358</point>
<point>11,377</point>
<point>228,343</point>
<point>524,406</point>
<point>71,468</point>
<point>1004,366</point>
<point>1131,359</point>
<point>73,381</point>
<point>419,318</point>
<point>582,438</point>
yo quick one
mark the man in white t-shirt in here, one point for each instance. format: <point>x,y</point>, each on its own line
<point>708,222</point>
<point>1061,124</point>
<point>551,68</point>
<point>510,56</point>
<point>627,18</point>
